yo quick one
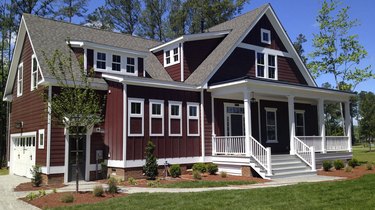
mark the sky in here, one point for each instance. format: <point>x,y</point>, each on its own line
<point>298,16</point>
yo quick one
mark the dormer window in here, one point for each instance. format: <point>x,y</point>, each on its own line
<point>130,65</point>
<point>100,60</point>
<point>116,63</point>
<point>265,36</point>
<point>171,56</point>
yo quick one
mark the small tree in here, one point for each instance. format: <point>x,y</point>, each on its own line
<point>75,103</point>
<point>367,116</point>
<point>151,167</point>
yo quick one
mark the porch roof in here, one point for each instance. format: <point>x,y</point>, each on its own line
<point>274,87</point>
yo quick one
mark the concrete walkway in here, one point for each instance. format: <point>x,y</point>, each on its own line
<point>9,198</point>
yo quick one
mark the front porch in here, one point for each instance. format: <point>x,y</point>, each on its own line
<point>264,127</point>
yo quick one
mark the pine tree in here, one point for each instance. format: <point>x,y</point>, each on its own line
<point>124,14</point>
<point>99,19</point>
<point>298,45</point>
<point>68,9</point>
<point>153,20</point>
<point>151,167</point>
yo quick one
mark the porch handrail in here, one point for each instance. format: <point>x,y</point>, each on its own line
<point>261,155</point>
<point>337,143</point>
<point>305,153</point>
<point>315,141</point>
<point>229,145</point>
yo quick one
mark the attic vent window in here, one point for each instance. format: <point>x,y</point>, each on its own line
<point>265,36</point>
<point>171,56</point>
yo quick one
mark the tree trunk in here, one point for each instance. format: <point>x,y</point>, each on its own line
<point>77,160</point>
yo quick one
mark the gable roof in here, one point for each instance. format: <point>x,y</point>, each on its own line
<point>240,27</point>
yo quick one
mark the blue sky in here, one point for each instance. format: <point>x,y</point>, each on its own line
<point>299,17</point>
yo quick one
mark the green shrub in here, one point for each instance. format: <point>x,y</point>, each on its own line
<point>200,167</point>
<point>223,174</point>
<point>98,191</point>
<point>353,163</point>
<point>338,164</point>
<point>175,170</point>
<point>327,165</point>
<point>132,181</point>
<point>112,185</point>
<point>67,198</point>
<point>151,167</point>
<point>36,179</point>
<point>54,190</point>
<point>104,170</point>
<point>42,193</point>
<point>31,196</point>
<point>348,169</point>
<point>155,183</point>
<point>212,168</point>
<point>197,175</point>
<point>369,166</point>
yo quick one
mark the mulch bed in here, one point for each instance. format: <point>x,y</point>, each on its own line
<point>189,177</point>
<point>27,186</point>
<point>357,172</point>
<point>53,200</point>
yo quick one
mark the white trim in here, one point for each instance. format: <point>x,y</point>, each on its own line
<point>266,66</point>
<point>272,110</point>
<point>191,37</point>
<point>178,117</point>
<point>20,80</point>
<point>41,139</point>
<point>182,61</point>
<point>61,170</point>
<point>140,115</point>
<point>161,161</point>
<point>262,31</point>
<point>88,153</point>
<point>49,124</point>
<point>14,135</point>
<point>264,50</point>
<point>202,124</point>
<point>153,116</point>
<point>116,163</point>
<point>228,128</point>
<point>32,85</point>
<point>85,59</point>
<point>188,118</point>
<point>171,49</point>
<point>292,127</point>
<point>66,157</point>
<point>124,122</point>
<point>109,60</point>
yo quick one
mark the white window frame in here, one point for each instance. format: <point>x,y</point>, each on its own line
<point>105,61</point>
<point>20,80</point>
<point>141,115</point>
<point>171,55</point>
<point>274,110</point>
<point>113,62</point>
<point>266,66</point>
<point>135,66</point>
<point>170,117</point>
<point>41,139</point>
<point>109,61</point>
<point>34,73</point>
<point>153,116</point>
<point>262,31</point>
<point>304,122</point>
<point>196,105</point>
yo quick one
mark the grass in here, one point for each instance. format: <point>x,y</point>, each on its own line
<point>363,155</point>
<point>4,171</point>
<point>349,194</point>
<point>202,183</point>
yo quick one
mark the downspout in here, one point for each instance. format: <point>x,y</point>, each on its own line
<point>49,119</point>
<point>124,122</point>
<point>202,125</point>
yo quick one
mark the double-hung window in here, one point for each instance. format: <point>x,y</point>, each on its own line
<point>271,125</point>
<point>135,117</point>
<point>20,80</point>
<point>300,122</point>
<point>171,56</point>
<point>266,65</point>
<point>192,119</point>
<point>130,65</point>
<point>101,60</point>
<point>156,118</point>
<point>175,118</point>
<point>116,63</point>
<point>34,72</point>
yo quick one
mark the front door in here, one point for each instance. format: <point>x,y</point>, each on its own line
<point>73,149</point>
<point>234,119</point>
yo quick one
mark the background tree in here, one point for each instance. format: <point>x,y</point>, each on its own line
<point>298,45</point>
<point>76,105</point>
<point>177,19</point>
<point>99,19</point>
<point>332,118</point>
<point>67,9</point>
<point>124,14</point>
<point>153,19</point>
<point>367,115</point>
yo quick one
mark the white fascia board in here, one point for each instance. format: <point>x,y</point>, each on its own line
<point>191,37</point>
<point>151,82</point>
<point>87,44</point>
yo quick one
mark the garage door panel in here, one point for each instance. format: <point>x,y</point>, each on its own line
<point>23,157</point>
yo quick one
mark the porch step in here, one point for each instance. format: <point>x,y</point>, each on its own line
<point>293,174</point>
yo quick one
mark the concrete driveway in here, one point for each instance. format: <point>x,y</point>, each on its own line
<point>9,198</point>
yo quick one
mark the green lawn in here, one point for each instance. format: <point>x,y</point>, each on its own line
<point>363,155</point>
<point>4,171</point>
<point>350,194</point>
<point>200,184</point>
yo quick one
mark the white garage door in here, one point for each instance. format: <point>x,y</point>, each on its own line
<point>23,155</point>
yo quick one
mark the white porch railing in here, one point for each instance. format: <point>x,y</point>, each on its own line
<point>337,143</point>
<point>315,141</point>
<point>228,145</point>
<point>261,154</point>
<point>305,153</point>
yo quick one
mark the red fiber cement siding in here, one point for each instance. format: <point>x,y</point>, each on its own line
<point>113,120</point>
<point>174,70</point>
<point>166,146</point>
<point>29,108</point>
<point>288,71</point>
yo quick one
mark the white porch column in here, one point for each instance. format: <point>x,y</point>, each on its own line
<point>348,125</point>
<point>291,123</point>
<point>322,126</point>
<point>247,109</point>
